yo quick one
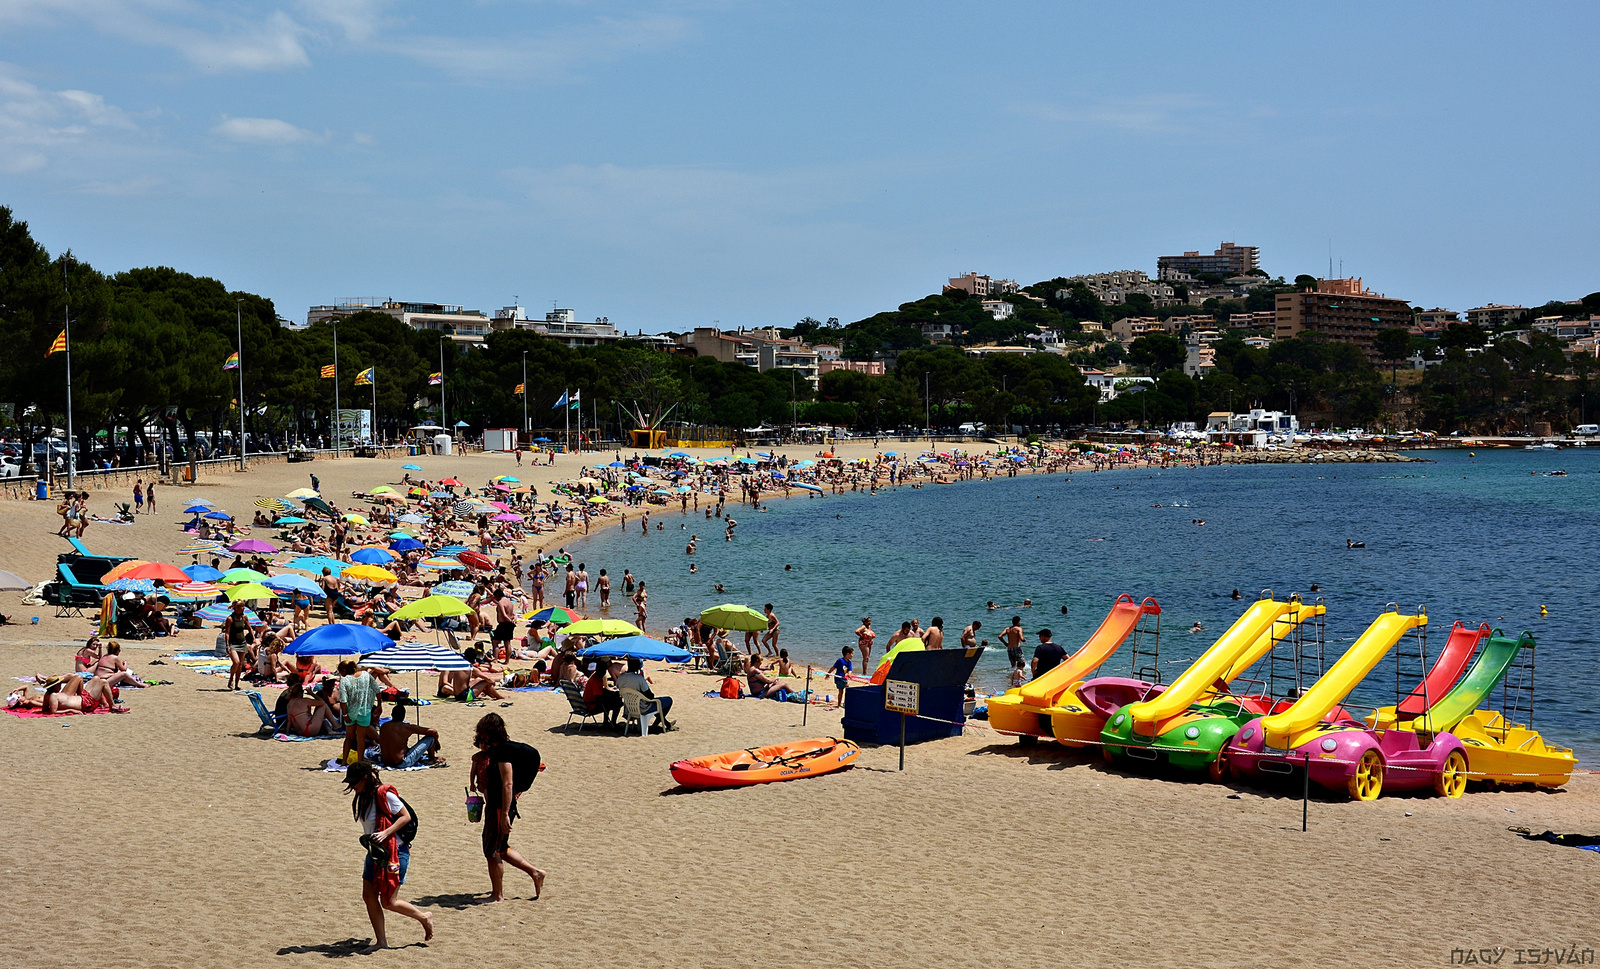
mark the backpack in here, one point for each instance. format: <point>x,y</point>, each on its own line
<point>408,831</point>
<point>732,689</point>
<point>524,761</point>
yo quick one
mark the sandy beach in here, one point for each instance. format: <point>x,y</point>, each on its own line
<point>176,835</point>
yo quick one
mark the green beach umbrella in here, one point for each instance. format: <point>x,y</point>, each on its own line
<point>732,616</point>
<point>250,591</point>
<point>233,576</point>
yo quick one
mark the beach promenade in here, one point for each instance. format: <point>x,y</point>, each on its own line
<point>176,836</point>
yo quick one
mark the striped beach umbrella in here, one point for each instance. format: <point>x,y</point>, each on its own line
<point>222,610</point>
<point>442,563</point>
<point>274,504</point>
<point>200,546</point>
<point>194,590</point>
<point>416,658</point>
<point>457,588</point>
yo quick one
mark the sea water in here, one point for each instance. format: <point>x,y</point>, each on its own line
<point>1481,538</point>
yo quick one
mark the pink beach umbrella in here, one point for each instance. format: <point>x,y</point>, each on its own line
<point>253,545</point>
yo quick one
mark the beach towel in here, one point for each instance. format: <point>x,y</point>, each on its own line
<point>40,715</point>
<point>294,738</point>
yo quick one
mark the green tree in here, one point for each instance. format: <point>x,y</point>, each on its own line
<point>1157,352</point>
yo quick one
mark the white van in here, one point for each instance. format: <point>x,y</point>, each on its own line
<point>1586,430</point>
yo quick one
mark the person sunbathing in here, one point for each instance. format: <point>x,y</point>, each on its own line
<point>87,656</point>
<point>458,683</point>
<point>112,670</point>
<point>393,740</point>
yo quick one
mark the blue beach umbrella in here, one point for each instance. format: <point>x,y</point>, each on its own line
<point>222,610</point>
<point>410,467</point>
<point>202,573</point>
<point>372,556</point>
<point>220,516</point>
<point>146,586</point>
<point>197,509</point>
<point>294,583</point>
<point>338,639</point>
<point>636,647</point>
<point>417,658</point>
<point>407,544</point>
<point>457,588</point>
<point>316,563</point>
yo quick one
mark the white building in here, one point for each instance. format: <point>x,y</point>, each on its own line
<point>472,325</point>
<point>559,324</point>
<point>1252,428</point>
<point>998,308</point>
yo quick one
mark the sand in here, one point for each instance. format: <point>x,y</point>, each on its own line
<point>174,836</point>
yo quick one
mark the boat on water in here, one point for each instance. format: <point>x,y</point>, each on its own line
<point>760,765</point>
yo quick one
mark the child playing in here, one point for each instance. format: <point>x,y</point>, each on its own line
<point>841,671</point>
<point>1019,675</point>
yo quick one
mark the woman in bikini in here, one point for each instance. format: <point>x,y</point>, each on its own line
<point>865,634</point>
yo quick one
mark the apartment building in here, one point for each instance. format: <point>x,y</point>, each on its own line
<point>1131,328</point>
<point>1342,310</point>
<point>444,317</point>
<point>1261,319</point>
<point>1115,287</point>
<point>561,325</point>
<point>974,284</point>
<point>998,308</point>
<point>1495,315</point>
<point>1228,260</point>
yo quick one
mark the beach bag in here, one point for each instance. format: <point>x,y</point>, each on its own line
<point>524,761</point>
<point>732,689</point>
<point>407,833</point>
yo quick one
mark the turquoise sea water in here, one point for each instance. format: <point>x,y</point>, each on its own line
<point>1486,538</point>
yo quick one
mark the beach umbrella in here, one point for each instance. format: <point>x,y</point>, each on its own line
<point>220,516</point>
<point>731,616</point>
<point>417,492</point>
<point>615,464</point>
<point>607,627</point>
<point>369,573</point>
<point>407,544</point>
<point>432,607</point>
<point>372,556</point>
<point>156,570</point>
<point>401,533</point>
<point>254,546</point>
<point>274,504</point>
<point>338,639</point>
<point>560,615</point>
<point>11,582</point>
<point>416,658</point>
<point>197,509</point>
<point>635,647</point>
<point>451,482</point>
<point>463,507</point>
<point>507,516</point>
<point>222,610</point>
<point>202,573</point>
<point>440,563</point>
<point>294,583</point>
<point>541,440</point>
<point>597,500</point>
<point>475,560</point>
<point>410,467</point>
<point>320,505</point>
<point>355,518</point>
<point>202,501</point>
<point>303,493</point>
<point>234,576</point>
<point>316,563</point>
<point>500,486</point>
<point>412,519</point>
<point>457,588</point>
<point>200,546</point>
<point>145,586</point>
<point>121,569</point>
<point>440,494</point>
<point>452,549</point>
<point>250,592</point>
<point>289,520</point>
<point>509,478</point>
<point>678,454</point>
<point>194,590</point>
<point>383,490</point>
<point>912,645</point>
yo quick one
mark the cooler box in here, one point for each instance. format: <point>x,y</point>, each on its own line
<point>942,676</point>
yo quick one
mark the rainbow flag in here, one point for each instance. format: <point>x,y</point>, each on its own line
<point>59,344</point>
<point>365,377</point>
<point>232,363</point>
<point>327,372</point>
<point>435,379</point>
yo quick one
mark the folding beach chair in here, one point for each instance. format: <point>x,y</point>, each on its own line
<point>269,723</point>
<point>580,707</point>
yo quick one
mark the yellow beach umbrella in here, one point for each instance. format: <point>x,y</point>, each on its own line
<point>602,627</point>
<point>250,591</point>
<point>369,573</point>
<point>303,493</point>
<point>430,607</point>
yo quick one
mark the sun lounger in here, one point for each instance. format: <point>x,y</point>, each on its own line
<point>580,707</point>
<point>70,596</point>
<point>269,723</point>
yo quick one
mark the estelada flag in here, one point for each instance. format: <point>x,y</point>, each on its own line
<point>327,372</point>
<point>520,388</point>
<point>435,379</point>
<point>59,345</point>
<point>364,378</point>
<point>232,363</point>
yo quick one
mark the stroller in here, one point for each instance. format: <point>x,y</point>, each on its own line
<point>124,512</point>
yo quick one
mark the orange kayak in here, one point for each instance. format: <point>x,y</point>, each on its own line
<point>758,765</point>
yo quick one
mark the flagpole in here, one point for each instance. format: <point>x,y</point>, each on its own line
<point>66,331</point>
<point>524,397</point>
<point>336,388</point>
<point>579,402</point>
<point>567,408</point>
<point>238,324</point>
<point>441,387</point>
<point>374,405</point>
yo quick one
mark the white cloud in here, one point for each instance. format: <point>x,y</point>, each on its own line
<point>358,20</point>
<point>36,123</point>
<point>1160,113</point>
<point>263,131</point>
<point>212,40</point>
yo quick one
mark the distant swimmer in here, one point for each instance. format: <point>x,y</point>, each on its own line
<point>1236,594</point>
<point>1353,544</point>
<point>1315,587</point>
<point>1063,610</point>
<point>1196,627</point>
<point>719,588</point>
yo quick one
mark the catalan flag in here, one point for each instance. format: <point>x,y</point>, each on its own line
<point>59,345</point>
<point>327,372</point>
<point>232,363</point>
<point>365,377</point>
<point>521,388</point>
<point>435,379</point>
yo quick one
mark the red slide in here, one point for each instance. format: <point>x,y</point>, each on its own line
<point>1447,669</point>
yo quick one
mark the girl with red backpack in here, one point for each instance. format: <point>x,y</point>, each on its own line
<point>388,825</point>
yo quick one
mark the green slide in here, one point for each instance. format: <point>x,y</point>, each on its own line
<point>1497,655</point>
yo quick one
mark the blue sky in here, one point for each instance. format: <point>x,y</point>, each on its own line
<point>668,165</point>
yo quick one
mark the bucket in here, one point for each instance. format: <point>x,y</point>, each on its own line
<point>474,808</point>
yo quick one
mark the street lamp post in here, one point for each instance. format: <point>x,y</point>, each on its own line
<point>524,395</point>
<point>336,387</point>
<point>927,405</point>
<point>238,325</point>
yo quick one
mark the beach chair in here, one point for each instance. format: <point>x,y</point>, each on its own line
<point>269,723</point>
<point>71,597</point>
<point>640,709</point>
<point>580,707</point>
<point>731,663</point>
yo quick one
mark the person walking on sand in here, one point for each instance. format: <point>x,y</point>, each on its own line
<point>150,498</point>
<point>138,496</point>
<point>495,779</point>
<point>384,817</point>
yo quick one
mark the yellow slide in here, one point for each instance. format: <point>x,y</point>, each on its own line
<point>1280,729</point>
<point>1251,631</point>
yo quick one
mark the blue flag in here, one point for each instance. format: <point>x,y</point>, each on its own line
<point>563,400</point>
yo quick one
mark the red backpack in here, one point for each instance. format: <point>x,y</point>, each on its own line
<point>732,689</point>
